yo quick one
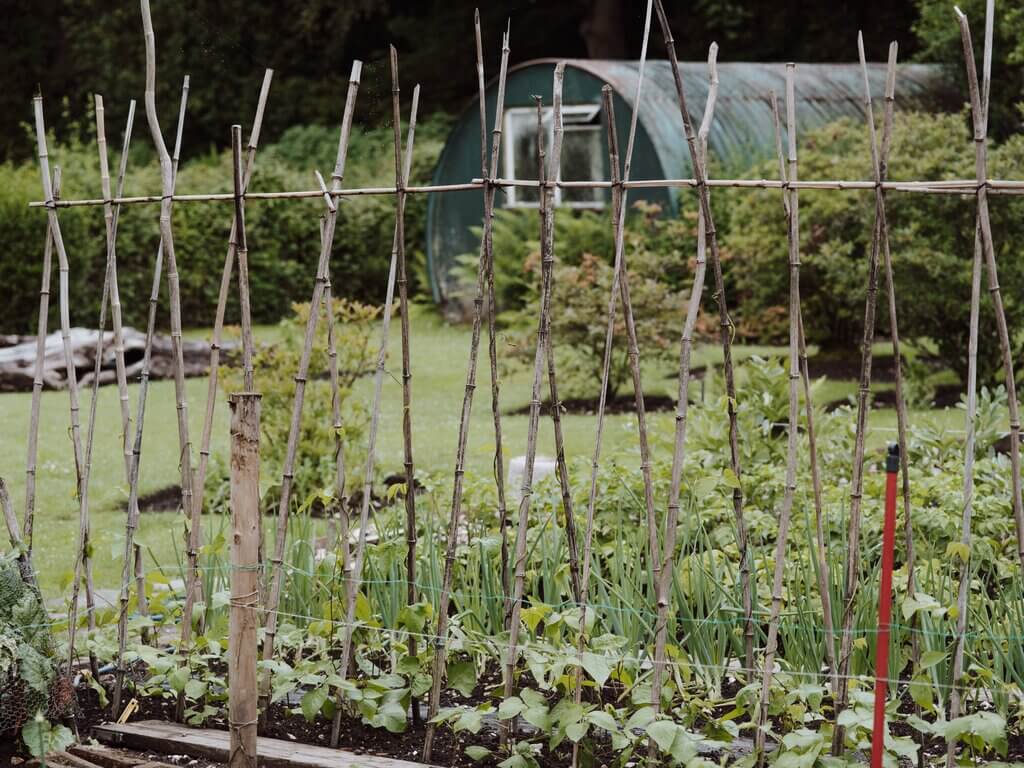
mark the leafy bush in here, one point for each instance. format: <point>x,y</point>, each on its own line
<point>275,369</point>
<point>283,234</point>
<point>931,237</point>
<point>582,283</point>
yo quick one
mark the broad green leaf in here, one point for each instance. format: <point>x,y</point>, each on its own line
<point>511,707</point>
<point>195,689</point>
<point>930,658</point>
<point>577,731</point>
<point>476,754</point>
<point>597,667</point>
<point>462,677</point>
<point>663,732</point>
<point>178,679</point>
<point>313,701</point>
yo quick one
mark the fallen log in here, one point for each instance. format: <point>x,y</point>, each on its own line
<point>17,361</point>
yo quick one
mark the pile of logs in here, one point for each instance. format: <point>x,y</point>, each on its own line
<point>18,359</point>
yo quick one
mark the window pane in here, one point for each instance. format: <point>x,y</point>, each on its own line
<point>582,160</point>
<point>523,138</point>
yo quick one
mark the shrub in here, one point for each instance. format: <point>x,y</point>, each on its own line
<point>283,234</point>
<point>275,370</point>
<point>582,283</point>
<point>931,237</point>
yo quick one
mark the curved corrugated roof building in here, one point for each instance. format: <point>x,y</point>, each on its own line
<point>742,133</point>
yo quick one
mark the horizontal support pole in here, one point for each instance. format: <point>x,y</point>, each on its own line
<point>943,187</point>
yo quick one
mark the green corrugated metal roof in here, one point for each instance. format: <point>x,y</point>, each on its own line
<point>743,130</point>
<point>742,134</point>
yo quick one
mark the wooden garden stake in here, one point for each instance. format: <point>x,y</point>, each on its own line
<point>245,546</point>
<point>548,246</point>
<point>793,227</point>
<point>82,554</point>
<point>322,272</point>
<point>222,298</point>
<point>727,330</point>
<point>354,567</point>
<point>132,520</point>
<point>439,660</point>
<point>487,244</point>
<point>37,379</point>
<point>880,163</point>
<point>682,404</point>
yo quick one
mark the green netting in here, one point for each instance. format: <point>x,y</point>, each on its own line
<point>30,677</point>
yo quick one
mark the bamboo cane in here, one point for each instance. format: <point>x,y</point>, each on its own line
<point>979,113</point>
<point>167,176</point>
<point>111,214</point>
<point>37,379</point>
<point>439,661</point>
<point>727,330</point>
<point>222,298</point>
<point>793,227</point>
<point>401,179</point>
<point>682,404</point>
<point>968,496</point>
<point>140,590</point>
<point>823,570</point>
<point>962,187</point>
<point>902,420</point>
<point>354,568</point>
<point>548,236</point>
<point>540,357</point>
<point>492,308</point>
<point>337,425</point>
<point>588,535</point>
<point>880,164</point>
<point>242,252</point>
<point>82,555</point>
<point>132,520</point>
<point>110,219</point>
<point>322,272</point>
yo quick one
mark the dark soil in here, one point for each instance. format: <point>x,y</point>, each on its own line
<point>164,500</point>
<point>587,406</point>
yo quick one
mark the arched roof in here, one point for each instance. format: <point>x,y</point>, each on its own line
<point>743,130</point>
<point>742,134</point>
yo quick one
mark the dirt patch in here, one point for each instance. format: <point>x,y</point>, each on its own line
<point>587,406</point>
<point>164,500</point>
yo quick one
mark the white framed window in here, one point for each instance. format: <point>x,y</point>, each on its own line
<point>582,154</point>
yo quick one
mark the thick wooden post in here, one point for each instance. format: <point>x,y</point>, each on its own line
<point>245,542</point>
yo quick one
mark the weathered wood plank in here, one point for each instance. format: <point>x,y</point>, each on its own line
<point>214,745</point>
<point>105,757</point>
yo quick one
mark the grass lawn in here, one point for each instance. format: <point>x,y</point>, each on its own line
<point>439,359</point>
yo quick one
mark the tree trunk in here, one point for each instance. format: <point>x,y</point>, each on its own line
<point>602,29</point>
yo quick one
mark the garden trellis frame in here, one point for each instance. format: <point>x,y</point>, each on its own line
<point>661,558</point>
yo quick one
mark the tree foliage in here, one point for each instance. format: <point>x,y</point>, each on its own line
<point>931,237</point>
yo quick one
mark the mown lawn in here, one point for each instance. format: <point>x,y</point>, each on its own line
<point>439,359</point>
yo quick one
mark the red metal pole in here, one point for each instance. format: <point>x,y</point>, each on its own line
<point>892,465</point>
